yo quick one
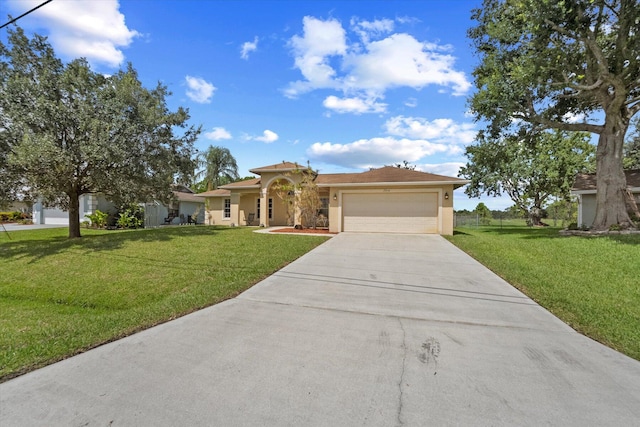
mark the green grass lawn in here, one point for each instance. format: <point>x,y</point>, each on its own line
<point>591,283</point>
<point>59,297</point>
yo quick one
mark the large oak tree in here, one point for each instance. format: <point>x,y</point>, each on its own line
<point>566,64</point>
<point>67,130</point>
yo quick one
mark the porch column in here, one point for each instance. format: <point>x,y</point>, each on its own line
<point>264,207</point>
<point>297,214</point>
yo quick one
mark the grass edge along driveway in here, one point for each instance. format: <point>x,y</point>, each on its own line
<point>60,297</point>
<point>590,283</point>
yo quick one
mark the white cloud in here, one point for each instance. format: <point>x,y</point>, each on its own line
<point>411,102</point>
<point>95,30</point>
<point>199,90</point>
<point>248,47</point>
<point>267,137</point>
<point>371,29</point>
<point>217,134</point>
<point>367,69</point>
<point>574,118</point>
<point>353,105</point>
<point>401,60</point>
<point>447,168</point>
<point>374,152</point>
<point>439,130</point>
<point>320,40</point>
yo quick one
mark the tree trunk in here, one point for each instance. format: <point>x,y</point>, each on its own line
<point>535,216</point>
<point>74,216</point>
<point>611,183</point>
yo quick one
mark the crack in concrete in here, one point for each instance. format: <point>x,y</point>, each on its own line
<point>394,316</point>
<point>401,382</point>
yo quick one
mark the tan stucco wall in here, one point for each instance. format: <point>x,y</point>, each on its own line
<point>248,205</point>
<point>215,211</point>
<point>447,211</point>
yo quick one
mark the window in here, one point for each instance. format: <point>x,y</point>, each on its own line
<point>258,207</point>
<point>324,207</point>
<point>270,208</point>
<point>227,209</point>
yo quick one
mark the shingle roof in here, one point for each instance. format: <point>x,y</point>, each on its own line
<point>253,182</point>
<point>387,174</point>
<point>215,193</point>
<point>587,181</point>
<point>187,197</point>
<point>278,167</point>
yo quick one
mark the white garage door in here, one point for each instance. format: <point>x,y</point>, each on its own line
<point>415,212</point>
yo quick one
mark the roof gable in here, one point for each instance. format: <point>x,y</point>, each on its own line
<point>278,167</point>
<point>387,174</point>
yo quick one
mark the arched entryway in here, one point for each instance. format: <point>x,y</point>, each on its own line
<point>278,202</point>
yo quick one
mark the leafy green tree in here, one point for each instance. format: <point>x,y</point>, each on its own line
<point>69,131</point>
<point>530,168</point>
<point>557,64</point>
<point>218,167</point>
<point>484,213</point>
<point>405,165</point>
<point>565,210</point>
<point>632,149</point>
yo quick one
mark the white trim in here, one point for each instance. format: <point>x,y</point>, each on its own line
<point>578,192</point>
<point>579,210</point>
<point>277,177</point>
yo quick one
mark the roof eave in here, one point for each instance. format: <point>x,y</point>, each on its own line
<point>594,191</point>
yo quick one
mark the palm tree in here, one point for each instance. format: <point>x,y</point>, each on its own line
<point>217,166</point>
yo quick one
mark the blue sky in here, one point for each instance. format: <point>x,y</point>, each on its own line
<point>346,85</point>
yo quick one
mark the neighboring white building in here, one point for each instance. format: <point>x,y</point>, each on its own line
<point>185,205</point>
<point>584,187</point>
<point>89,203</point>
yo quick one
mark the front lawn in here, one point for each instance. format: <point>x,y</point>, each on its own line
<point>591,283</point>
<point>59,297</point>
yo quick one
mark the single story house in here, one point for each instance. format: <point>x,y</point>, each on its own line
<point>584,187</point>
<point>384,200</point>
<point>89,203</point>
<point>184,205</point>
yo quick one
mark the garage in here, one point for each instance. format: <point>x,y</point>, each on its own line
<point>390,212</point>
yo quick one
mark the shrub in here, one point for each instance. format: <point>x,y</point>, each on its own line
<point>131,216</point>
<point>615,227</point>
<point>573,226</point>
<point>98,218</point>
<point>12,216</point>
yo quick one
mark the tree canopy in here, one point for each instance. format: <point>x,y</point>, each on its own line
<point>570,65</point>
<point>217,167</point>
<point>632,149</point>
<point>67,130</point>
<point>529,167</point>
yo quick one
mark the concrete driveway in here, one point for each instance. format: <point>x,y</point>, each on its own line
<point>367,329</point>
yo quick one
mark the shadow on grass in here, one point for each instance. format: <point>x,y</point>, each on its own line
<point>515,230</point>
<point>40,248</point>
<point>543,233</point>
